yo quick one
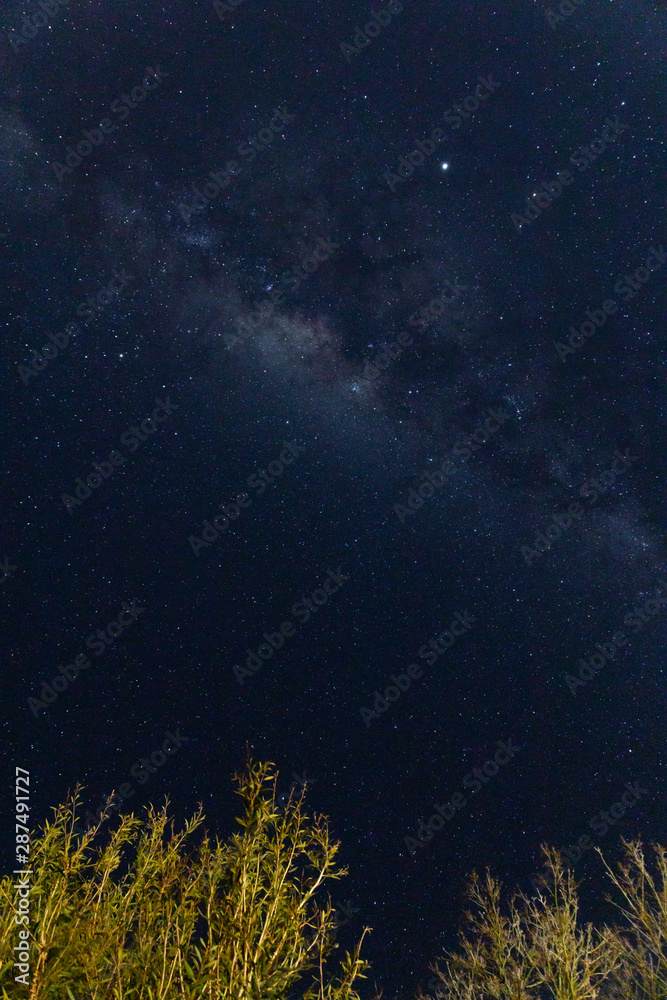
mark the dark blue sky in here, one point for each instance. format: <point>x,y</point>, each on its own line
<point>166,288</point>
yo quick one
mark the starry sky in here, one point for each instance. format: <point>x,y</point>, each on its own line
<point>347,319</point>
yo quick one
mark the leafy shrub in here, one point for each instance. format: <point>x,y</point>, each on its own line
<point>539,951</point>
<point>149,916</point>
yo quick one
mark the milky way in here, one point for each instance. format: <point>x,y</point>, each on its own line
<point>301,269</point>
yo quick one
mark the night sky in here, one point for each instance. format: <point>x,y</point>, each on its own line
<point>353,317</point>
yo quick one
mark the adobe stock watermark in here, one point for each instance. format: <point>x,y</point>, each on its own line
<point>627,288</point>
<point>298,786</point>
<point>232,510</point>
<point>426,147</point>
<point>582,158</point>
<point>7,569</point>
<point>221,179</point>
<point>363,37</point>
<point>435,480</point>
<point>474,780</point>
<point>591,490</point>
<point>603,820</point>
<point>99,642</point>
<point>223,10</point>
<point>636,619</point>
<point>343,913</point>
<point>437,306</point>
<point>90,308</point>
<point>302,611</point>
<point>389,353</point>
<point>131,439</point>
<point>153,77</point>
<point>141,771</point>
<point>31,26</point>
<point>291,281</point>
<point>430,652</point>
<point>565,9</point>
<point>22,887</point>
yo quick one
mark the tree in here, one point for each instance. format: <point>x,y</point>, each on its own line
<point>149,915</point>
<point>539,950</point>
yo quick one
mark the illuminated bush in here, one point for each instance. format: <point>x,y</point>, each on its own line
<point>152,915</point>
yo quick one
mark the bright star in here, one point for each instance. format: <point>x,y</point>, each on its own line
<point>445,166</point>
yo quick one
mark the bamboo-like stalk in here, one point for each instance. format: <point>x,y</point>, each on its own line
<point>96,935</point>
<point>539,951</point>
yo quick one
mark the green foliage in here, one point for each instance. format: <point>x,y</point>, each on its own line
<point>150,915</point>
<point>539,951</point>
<point>146,913</point>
